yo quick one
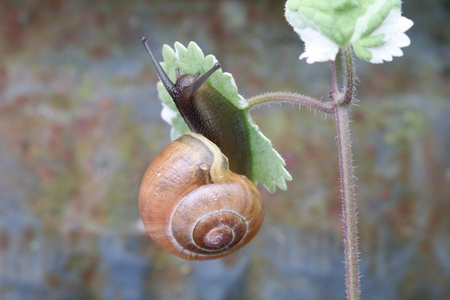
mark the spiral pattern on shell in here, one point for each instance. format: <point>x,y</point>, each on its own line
<point>193,206</point>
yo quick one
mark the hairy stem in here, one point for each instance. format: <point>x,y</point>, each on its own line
<point>286,97</point>
<point>350,78</point>
<point>338,71</point>
<point>349,215</point>
<point>349,218</point>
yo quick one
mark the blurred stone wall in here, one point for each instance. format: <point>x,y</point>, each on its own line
<point>80,122</point>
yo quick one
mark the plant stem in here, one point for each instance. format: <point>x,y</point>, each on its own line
<point>349,216</point>
<point>350,78</point>
<point>286,97</point>
<point>338,71</point>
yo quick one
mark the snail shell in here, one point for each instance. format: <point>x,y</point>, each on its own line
<point>193,206</point>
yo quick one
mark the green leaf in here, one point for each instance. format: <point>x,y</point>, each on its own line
<point>374,27</point>
<point>267,165</point>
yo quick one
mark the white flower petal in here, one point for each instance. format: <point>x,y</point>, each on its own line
<point>405,24</point>
<point>393,29</point>
<point>318,47</point>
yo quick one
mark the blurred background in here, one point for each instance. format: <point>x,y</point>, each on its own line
<point>80,122</point>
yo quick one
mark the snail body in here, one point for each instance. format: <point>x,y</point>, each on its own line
<point>193,205</point>
<point>209,113</point>
<point>195,198</point>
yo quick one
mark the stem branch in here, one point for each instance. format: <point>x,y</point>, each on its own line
<point>286,97</point>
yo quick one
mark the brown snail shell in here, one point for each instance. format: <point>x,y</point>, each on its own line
<point>193,206</point>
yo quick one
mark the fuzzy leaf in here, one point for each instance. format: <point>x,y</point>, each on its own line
<point>375,28</point>
<point>267,165</point>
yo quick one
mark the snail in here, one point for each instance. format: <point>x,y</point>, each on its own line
<point>194,201</point>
